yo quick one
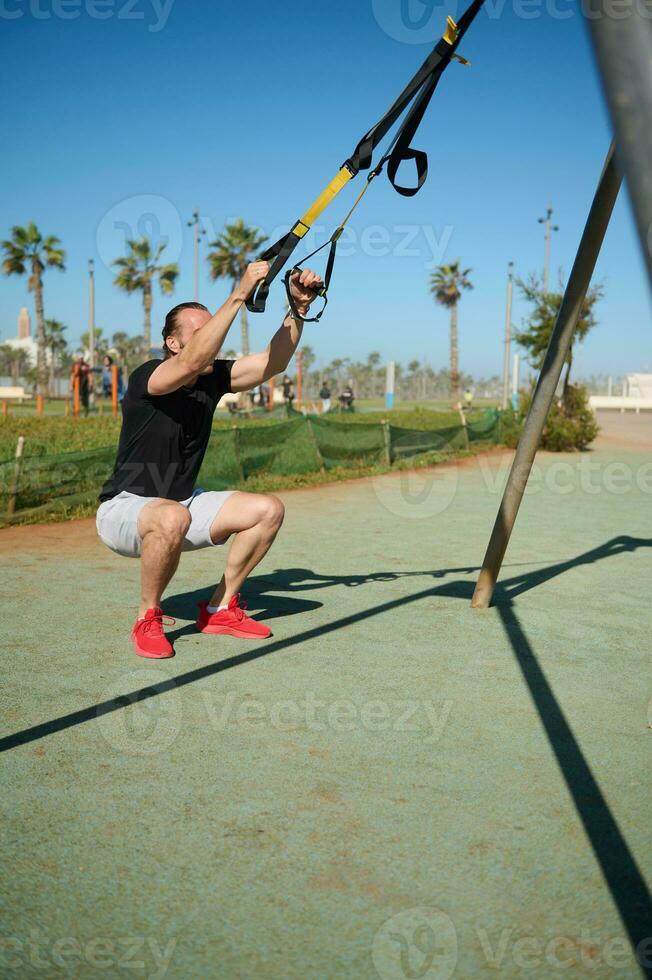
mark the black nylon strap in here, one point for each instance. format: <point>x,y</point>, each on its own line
<point>434,65</point>
<point>420,88</point>
<point>277,254</point>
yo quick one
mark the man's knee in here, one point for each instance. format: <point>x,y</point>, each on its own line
<point>273,510</point>
<point>172,521</point>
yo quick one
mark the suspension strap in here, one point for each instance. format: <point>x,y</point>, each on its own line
<point>332,241</point>
<point>419,91</point>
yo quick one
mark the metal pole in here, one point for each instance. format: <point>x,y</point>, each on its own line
<point>560,341</point>
<point>546,261</point>
<point>508,334</point>
<point>515,380</point>
<point>91,328</point>
<point>197,232</point>
<point>196,257</point>
<point>390,377</point>
<point>623,46</point>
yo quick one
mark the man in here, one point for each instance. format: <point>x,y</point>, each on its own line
<point>288,391</point>
<point>150,507</point>
<point>81,373</point>
<point>346,398</point>
<point>325,395</point>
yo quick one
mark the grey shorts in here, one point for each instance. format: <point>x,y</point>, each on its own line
<point>117,520</point>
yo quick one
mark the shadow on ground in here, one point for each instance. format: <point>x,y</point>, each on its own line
<point>618,865</point>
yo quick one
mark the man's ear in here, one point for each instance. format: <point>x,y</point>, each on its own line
<point>170,343</point>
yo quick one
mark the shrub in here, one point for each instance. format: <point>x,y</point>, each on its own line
<point>570,424</point>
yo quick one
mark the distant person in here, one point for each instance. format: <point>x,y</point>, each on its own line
<point>468,400</point>
<point>346,398</point>
<point>288,391</point>
<point>81,370</point>
<point>107,376</point>
<point>325,395</point>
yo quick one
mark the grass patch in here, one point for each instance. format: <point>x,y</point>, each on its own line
<point>59,434</point>
<point>269,483</point>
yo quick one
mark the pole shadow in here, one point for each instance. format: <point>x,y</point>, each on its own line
<point>618,865</point>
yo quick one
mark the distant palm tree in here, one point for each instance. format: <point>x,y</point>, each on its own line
<point>128,350</point>
<point>28,252</point>
<point>13,361</point>
<point>138,269</point>
<point>235,247</point>
<point>56,346</point>
<point>446,285</point>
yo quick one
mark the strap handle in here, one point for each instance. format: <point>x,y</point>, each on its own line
<point>287,279</point>
<point>323,292</point>
<point>277,254</point>
<point>421,160</point>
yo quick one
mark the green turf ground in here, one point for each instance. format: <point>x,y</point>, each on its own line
<point>395,785</point>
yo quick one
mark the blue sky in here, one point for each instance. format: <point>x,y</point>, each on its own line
<point>124,115</point>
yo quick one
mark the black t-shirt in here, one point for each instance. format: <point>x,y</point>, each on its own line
<point>164,437</point>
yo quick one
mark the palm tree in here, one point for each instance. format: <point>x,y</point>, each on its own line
<point>128,349</point>
<point>56,345</point>
<point>446,285</point>
<point>28,252</point>
<point>235,247</point>
<point>138,270</point>
<point>13,361</point>
<point>100,342</point>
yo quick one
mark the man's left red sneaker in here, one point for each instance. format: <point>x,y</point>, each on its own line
<point>232,621</point>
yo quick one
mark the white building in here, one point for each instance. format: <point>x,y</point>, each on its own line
<point>24,337</point>
<point>637,386</point>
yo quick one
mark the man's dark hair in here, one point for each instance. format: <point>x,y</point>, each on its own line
<point>172,322</point>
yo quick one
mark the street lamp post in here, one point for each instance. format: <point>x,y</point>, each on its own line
<point>549,228</point>
<point>198,231</point>
<point>91,326</point>
<point>508,334</point>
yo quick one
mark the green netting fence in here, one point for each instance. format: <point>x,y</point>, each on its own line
<point>295,446</point>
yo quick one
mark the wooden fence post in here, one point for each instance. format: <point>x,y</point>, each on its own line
<point>13,491</point>
<point>39,405</point>
<point>236,451</point>
<point>313,439</point>
<point>387,438</point>
<point>76,395</point>
<point>466,431</point>
<point>114,390</point>
<point>299,377</point>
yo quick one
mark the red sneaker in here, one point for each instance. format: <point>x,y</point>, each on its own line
<point>148,637</point>
<point>232,621</point>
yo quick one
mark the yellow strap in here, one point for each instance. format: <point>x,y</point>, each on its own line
<point>450,34</point>
<point>462,61</point>
<point>337,183</point>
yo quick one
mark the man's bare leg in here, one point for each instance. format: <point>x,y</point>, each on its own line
<point>162,525</point>
<point>255,519</point>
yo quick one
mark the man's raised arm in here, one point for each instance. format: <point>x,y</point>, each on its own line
<point>198,353</point>
<point>252,370</point>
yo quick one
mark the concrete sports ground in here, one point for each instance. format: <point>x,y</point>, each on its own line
<point>394,785</point>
